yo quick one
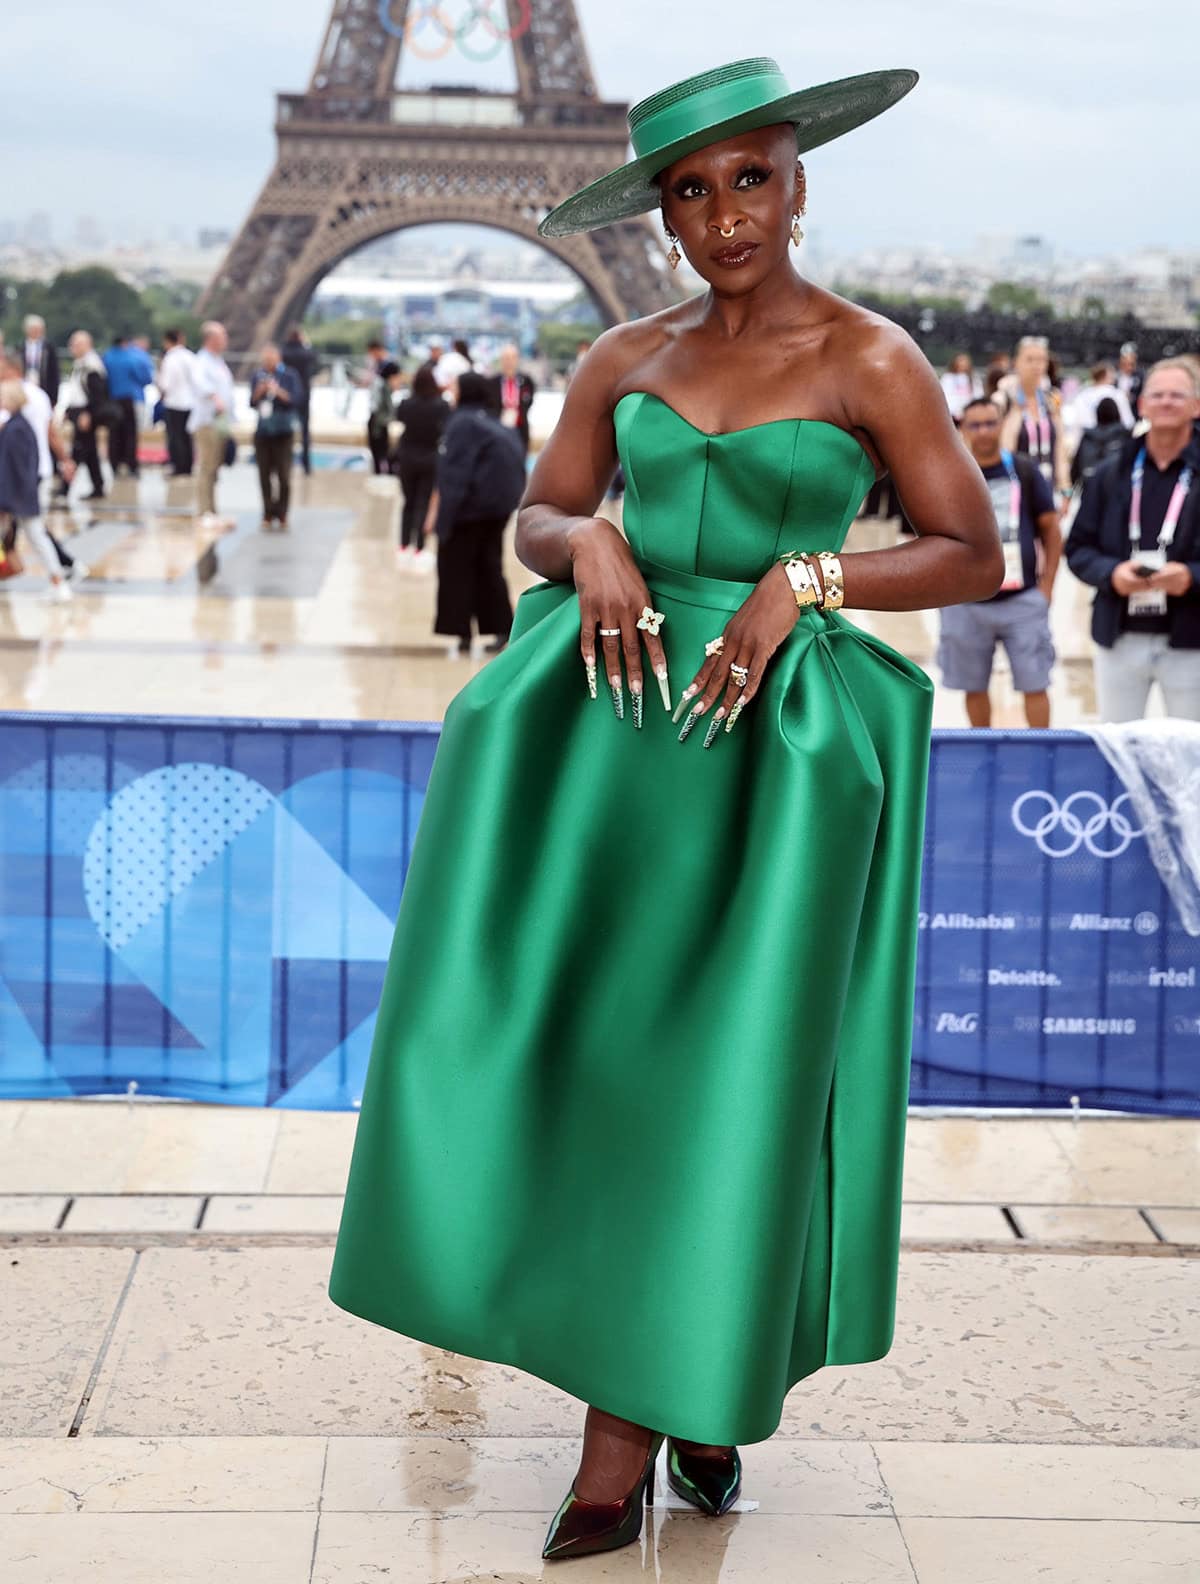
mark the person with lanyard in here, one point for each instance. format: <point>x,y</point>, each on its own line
<point>1136,540</point>
<point>513,395</point>
<point>1018,616</point>
<point>1032,421</point>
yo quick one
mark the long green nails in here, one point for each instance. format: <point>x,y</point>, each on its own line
<point>714,727</point>
<point>618,697</point>
<point>734,713</point>
<point>688,695</point>
<point>664,688</point>
<point>638,705</point>
<point>688,725</point>
<point>590,667</point>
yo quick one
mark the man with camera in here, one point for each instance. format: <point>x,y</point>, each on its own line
<point>1136,540</point>
<point>276,396</point>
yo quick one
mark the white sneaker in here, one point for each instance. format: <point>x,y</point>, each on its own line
<point>59,593</point>
<point>424,563</point>
<point>78,572</point>
<point>404,558</point>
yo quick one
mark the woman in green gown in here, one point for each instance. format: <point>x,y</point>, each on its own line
<point>634,1116</point>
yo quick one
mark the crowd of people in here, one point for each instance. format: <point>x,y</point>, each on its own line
<point>1113,463</point>
<point>457,439</point>
<point>1109,463</point>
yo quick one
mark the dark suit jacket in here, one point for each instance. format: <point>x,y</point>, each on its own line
<point>527,390</point>
<point>19,468</point>
<point>302,361</point>
<point>1099,541</point>
<point>47,369</point>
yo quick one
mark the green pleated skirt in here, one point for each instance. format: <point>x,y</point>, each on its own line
<point>634,1116</point>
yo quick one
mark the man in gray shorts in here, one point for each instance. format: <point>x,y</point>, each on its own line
<point>1019,615</point>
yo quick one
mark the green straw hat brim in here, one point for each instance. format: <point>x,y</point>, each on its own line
<point>818,114</point>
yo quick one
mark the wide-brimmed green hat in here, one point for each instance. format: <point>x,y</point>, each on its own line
<point>718,104</point>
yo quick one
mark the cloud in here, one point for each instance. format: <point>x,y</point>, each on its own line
<point>1028,115</point>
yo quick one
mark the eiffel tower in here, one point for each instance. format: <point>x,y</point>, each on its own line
<point>359,158</point>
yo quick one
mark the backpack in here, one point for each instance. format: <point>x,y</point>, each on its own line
<point>498,479</point>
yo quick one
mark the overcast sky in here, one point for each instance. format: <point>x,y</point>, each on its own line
<point>1075,119</point>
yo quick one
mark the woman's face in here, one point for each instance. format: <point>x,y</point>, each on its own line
<point>1032,364</point>
<point>749,187</point>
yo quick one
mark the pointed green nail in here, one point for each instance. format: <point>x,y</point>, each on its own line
<point>638,706</point>
<point>618,698</point>
<point>688,725</point>
<point>590,668</point>
<point>714,727</point>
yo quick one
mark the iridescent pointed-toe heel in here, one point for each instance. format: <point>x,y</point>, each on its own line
<point>580,1527</point>
<point>711,1483</point>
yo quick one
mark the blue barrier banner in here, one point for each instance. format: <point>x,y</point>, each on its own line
<point>1052,963</point>
<point>205,908</point>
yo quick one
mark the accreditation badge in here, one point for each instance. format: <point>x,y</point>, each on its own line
<point>1149,602</point>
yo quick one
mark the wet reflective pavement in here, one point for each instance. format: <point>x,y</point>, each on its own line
<point>318,622</point>
<point>180,1401</point>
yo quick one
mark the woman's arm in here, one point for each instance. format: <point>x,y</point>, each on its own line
<point>957,557</point>
<point>559,536</point>
<point>573,470</point>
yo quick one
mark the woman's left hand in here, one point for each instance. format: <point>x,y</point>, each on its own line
<point>752,635</point>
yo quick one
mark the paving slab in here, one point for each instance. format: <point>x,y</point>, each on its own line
<point>1140,1484</point>
<point>533,1473</point>
<point>118,1474</point>
<point>1005,1551</point>
<point>158,1548</point>
<point>1016,1346</point>
<point>684,1548</point>
<point>1004,1346</point>
<point>274,1213</point>
<point>55,1307</point>
<point>133,1213</point>
<point>1133,1161</point>
<point>955,1223</point>
<point>77,1147</point>
<point>30,1212</point>
<point>1083,1224</point>
<point>1178,1226</point>
<point>312,1152</point>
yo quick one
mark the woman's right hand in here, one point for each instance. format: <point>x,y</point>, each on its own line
<point>614,599</point>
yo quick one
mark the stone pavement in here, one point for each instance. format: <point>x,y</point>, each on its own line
<point>180,1402</point>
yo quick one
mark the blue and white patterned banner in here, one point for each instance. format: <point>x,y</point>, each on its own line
<point>205,908</point>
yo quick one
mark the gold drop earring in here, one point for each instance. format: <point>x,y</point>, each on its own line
<point>674,256</point>
<point>797,233</point>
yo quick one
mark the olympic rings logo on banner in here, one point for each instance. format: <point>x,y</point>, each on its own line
<point>1077,831</point>
<point>431,34</point>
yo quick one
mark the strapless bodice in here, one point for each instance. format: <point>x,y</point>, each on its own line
<point>726,505</point>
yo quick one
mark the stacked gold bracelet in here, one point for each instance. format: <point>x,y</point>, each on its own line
<point>816,581</point>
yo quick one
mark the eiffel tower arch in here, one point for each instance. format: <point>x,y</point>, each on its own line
<point>359,159</point>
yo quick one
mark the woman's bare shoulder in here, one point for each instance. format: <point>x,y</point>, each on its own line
<point>867,342</point>
<point>618,353</point>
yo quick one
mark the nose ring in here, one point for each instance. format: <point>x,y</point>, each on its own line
<point>728,233</point>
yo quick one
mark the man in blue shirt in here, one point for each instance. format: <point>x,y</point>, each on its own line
<point>1019,615</point>
<point>129,371</point>
<point>276,395</point>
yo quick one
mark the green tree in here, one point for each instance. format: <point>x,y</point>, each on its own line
<point>1093,308</point>
<point>92,299</point>
<point>1007,297</point>
<point>558,339</point>
<point>168,305</point>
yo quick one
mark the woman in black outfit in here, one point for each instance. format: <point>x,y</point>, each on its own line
<point>480,480</point>
<point>423,414</point>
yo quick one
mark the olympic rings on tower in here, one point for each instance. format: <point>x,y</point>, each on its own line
<point>426,15</point>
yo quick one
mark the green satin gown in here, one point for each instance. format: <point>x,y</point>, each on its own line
<point>634,1116</point>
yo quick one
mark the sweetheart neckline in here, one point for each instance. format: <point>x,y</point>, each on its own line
<point>770,423</point>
